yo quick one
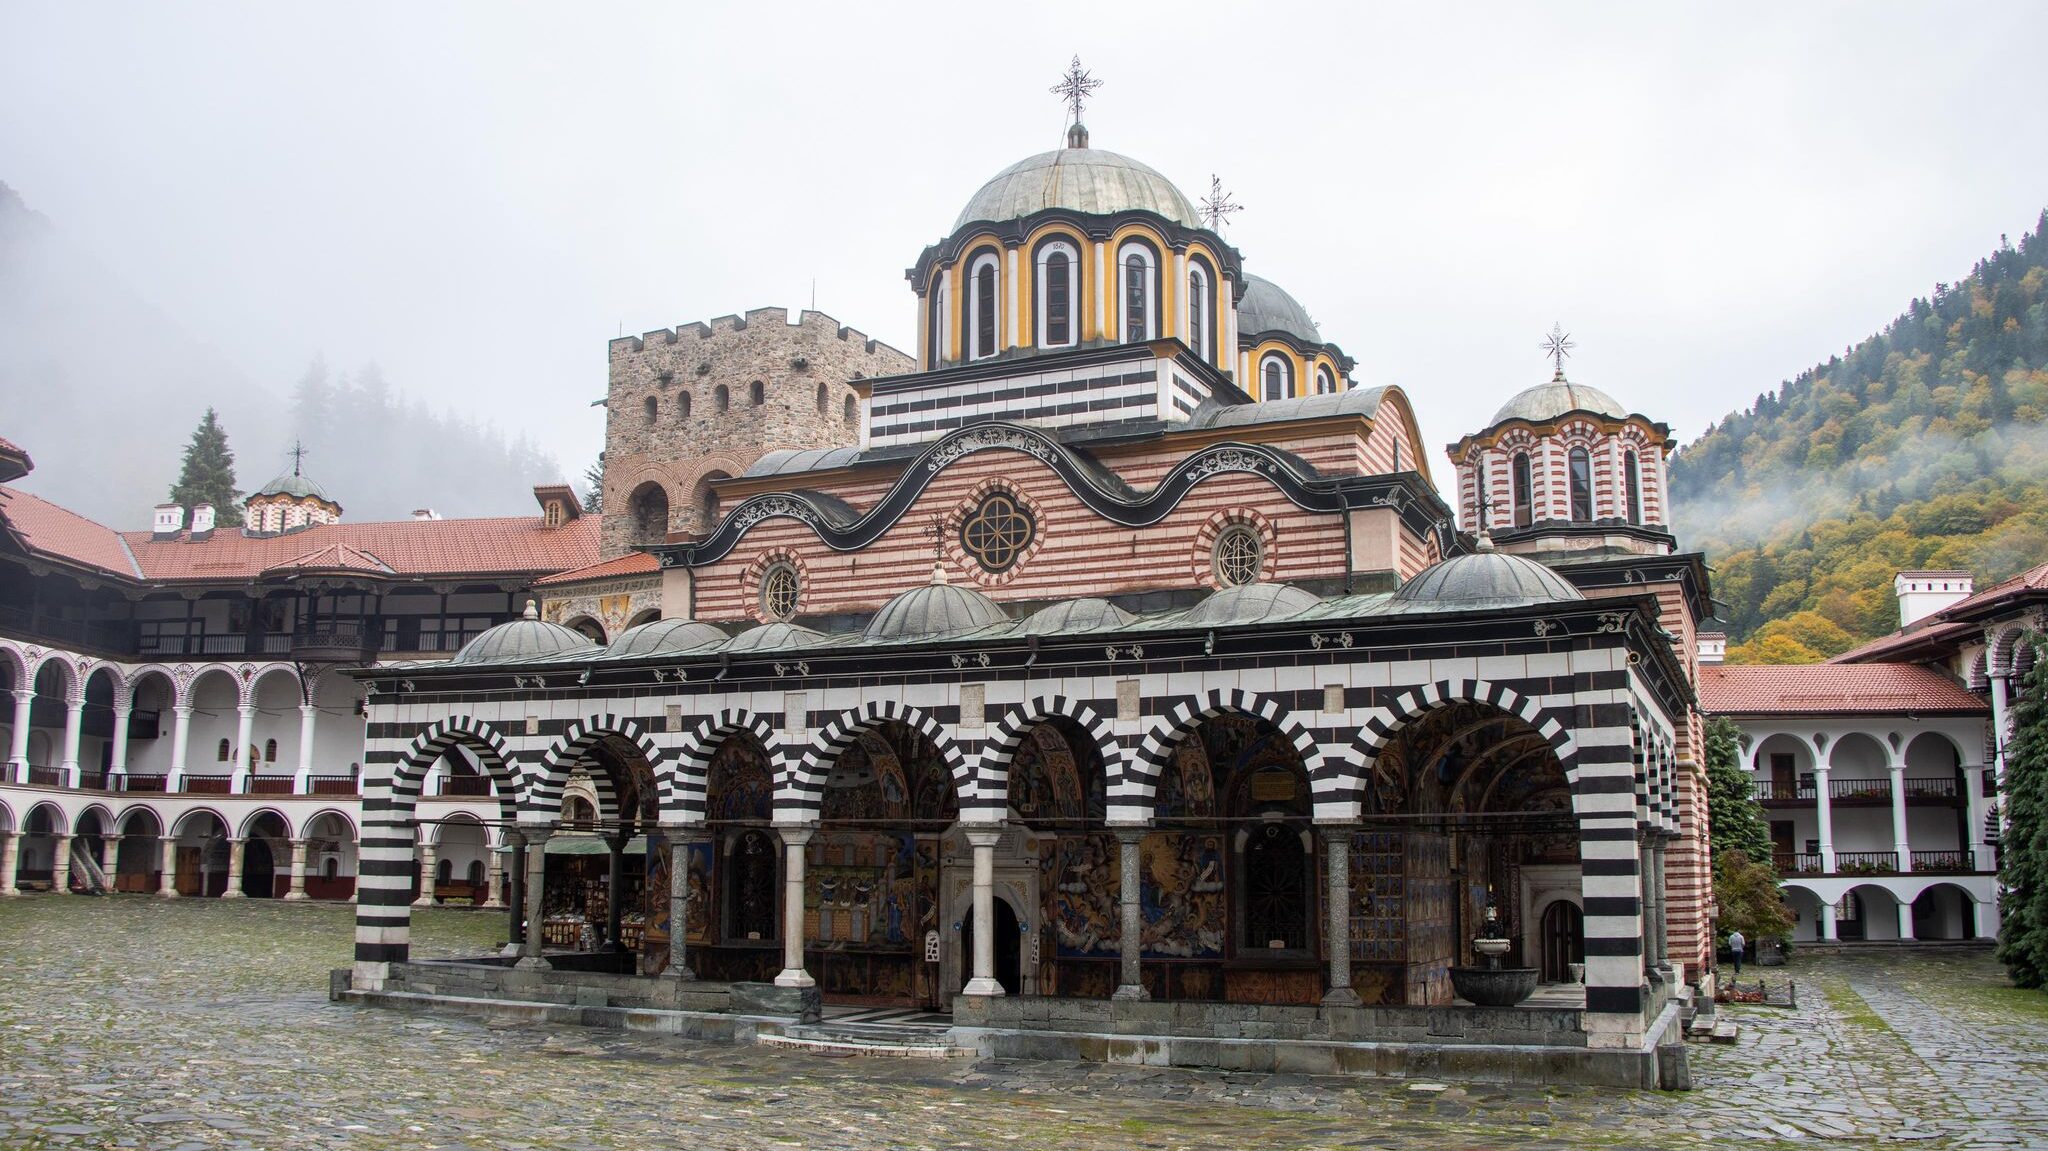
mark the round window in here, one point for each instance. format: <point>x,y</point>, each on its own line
<point>997,532</point>
<point>1240,556</point>
<point>779,591</point>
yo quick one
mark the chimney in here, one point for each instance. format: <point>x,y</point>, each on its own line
<point>424,514</point>
<point>1713,646</point>
<point>170,520</point>
<point>1922,594</point>
<point>202,519</point>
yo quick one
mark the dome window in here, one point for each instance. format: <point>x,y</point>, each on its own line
<point>1239,556</point>
<point>1275,377</point>
<point>983,299</point>
<point>1326,384</point>
<point>1523,495</point>
<point>1582,486</point>
<point>1632,479</point>
<point>997,532</point>
<point>1056,322</point>
<point>1198,311</point>
<point>780,591</point>
<point>1140,324</point>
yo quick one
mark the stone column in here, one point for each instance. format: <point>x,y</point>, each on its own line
<point>17,753</point>
<point>1131,933</point>
<point>117,761</point>
<point>793,974</point>
<point>533,889</point>
<point>515,895</point>
<point>494,880</point>
<point>167,885</point>
<point>1337,841</point>
<point>427,862</point>
<point>1826,815</point>
<point>110,857</point>
<point>1900,842</point>
<point>303,783</point>
<point>234,888</point>
<point>984,840</point>
<point>60,865</point>
<point>245,728</point>
<point>1658,935</point>
<point>1827,921</point>
<point>1905,920</point>
<point>679,904</point>
<point>298,888</point>
<point>181,738</point>
<point>74,727</point>
<point>614,879</point>
<point>9,844</point>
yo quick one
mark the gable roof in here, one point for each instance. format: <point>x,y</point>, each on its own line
<point>1952,622</point>
<point>632,563</point>
<point>40,527</point>
<point>1832,689</point>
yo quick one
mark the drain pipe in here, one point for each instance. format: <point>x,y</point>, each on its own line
<point>1031,645</point>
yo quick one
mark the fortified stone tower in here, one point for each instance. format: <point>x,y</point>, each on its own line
<point>702,402</point>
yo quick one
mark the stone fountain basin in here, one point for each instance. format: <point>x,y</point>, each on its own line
<point>1494,986</point>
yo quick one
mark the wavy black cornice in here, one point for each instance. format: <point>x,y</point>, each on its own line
<point>1420,508</point>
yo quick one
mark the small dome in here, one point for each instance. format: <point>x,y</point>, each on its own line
<point>936,609</point>
<point>523,638</point>
<point>1486,578</point>
<point>1087,180</point>
<point>296,486</point>
<point>1265,308</point>
<point>1249,603</point>
<point>773,637</point>
<point>1072,615</point>
<point>666,635</point>
<point>1546,402</point>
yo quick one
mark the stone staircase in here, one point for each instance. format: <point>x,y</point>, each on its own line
<point>888,1040</point>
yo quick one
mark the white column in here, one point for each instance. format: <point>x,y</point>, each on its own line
<point>494,879</point>
<point>117,763</point>
<point>17,755</point>
<point>2000,708</point>
<point>302,783</point>
<point>60,865</point>
<point>9,842</point>
<point>1826,814</point>
<point>74,727</point>
<point>984,842</point>
<point>531,890</point>
<point>298,889</point>
<point>427,861</point>
<point>793,974</point>
<point>181,737</point>
<point>110,857</point>
<point>1009,338</point>
<point>167,886</point>
<point>1827,921</point>
<point>234,888</point>
<point>1337,841</point>
<point>1899,840</point>
<point>245,724</point>
<point>1905,920</point>
<point>1130,935</point>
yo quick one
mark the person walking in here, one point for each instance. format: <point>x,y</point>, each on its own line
<point>1736,945</point>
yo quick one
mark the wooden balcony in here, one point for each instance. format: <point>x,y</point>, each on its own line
<point>1945,862</point>
<point>1866,863</point>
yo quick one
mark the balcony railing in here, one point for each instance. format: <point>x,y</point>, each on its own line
<point>107,636</point>
<point>1866,862</point>
<point>46,776</point>
<point>1799,863</point>
<point>1878,790</point>
<point>338,641</point>
<point>271,785</point>
<point>465,785</point>
<point>1772,791</point>
<point>154,784</point>
<point>207,785</point>
<point>92,781</point>
<point>1943,788</point>
<point>1956,861</point>
<point>333,784</point>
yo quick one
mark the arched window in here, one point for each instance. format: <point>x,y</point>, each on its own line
<point>750,891</point>
<point>1523,494</point>
<point>1198,311</point>
<point>475,873</point>
<point>1140,323</point>
<point>226,749</point>
<point>682,405</point>
<point>756,393</point>
<point>1582,486</point>
<point>1632,479</point>
<point>942,322</point>
<point>721,399</point>
<point>982,301</point>
<point>444,870</point>
<point>1326,384</point>
<point>1056,297</point>
<point>651,408</point>
<point>824,400</point>
<point>270,751</point>
<point>1276,377</point>
<point>1277,886</point>
<point>852,410</point>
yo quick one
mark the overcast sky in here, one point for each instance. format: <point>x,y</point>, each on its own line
<point>477,197</point>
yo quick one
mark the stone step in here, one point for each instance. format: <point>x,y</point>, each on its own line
<point>888,1043</point>
<point>1725,1031</point>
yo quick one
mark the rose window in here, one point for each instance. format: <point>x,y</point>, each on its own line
<point>779,590</point>
<point>997,531</point>
<point>1239,557</point>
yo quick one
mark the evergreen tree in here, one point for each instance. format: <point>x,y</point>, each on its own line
<point>2023,853</point>
<point>1735,820</point>
<point>1747,893</point>
<point>207,475</point>
<point>593,486</point>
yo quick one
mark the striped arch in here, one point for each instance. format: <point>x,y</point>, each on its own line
<point>1416,702</point>
<point>437,740</point>
<point>1133,801</point>
<point>684,802</point>
<point>542,801</point>
<point>993,779</point>
<point>800,790</point>
<point>17,666</point>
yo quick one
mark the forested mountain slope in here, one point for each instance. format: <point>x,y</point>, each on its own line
<point>1924,446</point>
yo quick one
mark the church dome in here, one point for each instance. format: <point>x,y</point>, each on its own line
<point>774,636</point>
<point>936,609</point>
<point>1071,615</point>
<point>1248,603</point>
<point>294,485</point>
<point>1080,179</point>
<point>523,638</point>
<point>1264,307</point>
<point>666,635</point>
<point>1546,402</point>
<point>1486,579</point>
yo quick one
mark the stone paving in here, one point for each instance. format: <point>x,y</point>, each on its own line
<point>192,1024</point>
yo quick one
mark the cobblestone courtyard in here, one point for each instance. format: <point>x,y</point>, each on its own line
<point>131,1023</point>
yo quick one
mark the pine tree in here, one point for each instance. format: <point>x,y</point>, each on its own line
<point>207,475</point>
<point>1735,821</point>
<point>2023,853</point>
<point>593,486</point>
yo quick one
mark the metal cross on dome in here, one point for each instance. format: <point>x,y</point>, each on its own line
<point>1558,346</point>
<point>1075,86</point>
<point>1218,208</point>
<point>298,455</point>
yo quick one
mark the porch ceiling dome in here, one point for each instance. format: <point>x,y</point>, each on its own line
<point>665,635</point>
<point>774,636</point>
<point>523,638</point>
<point>1086,180</point>
<point>1546,402</point>
<point>1264,307</point>
<point>1249,603</point>
<point>936,609</point>
<point>1071,615</point>
<point>1486,578</point>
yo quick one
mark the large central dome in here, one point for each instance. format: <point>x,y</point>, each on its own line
<point>1086,180</point>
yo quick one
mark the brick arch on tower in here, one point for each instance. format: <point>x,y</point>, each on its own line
<point>800,790</point>
<point>1134,799</point>
<point>992,776</point>
<point>686,801</point>
<point>542,800</point>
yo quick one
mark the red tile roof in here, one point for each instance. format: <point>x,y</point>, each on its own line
<point>14,462</point>
<point>1946,624</point>
<point>1826,688</point>
<point>335,557</point>
<point>633,563</point>
<point>41,526</point>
